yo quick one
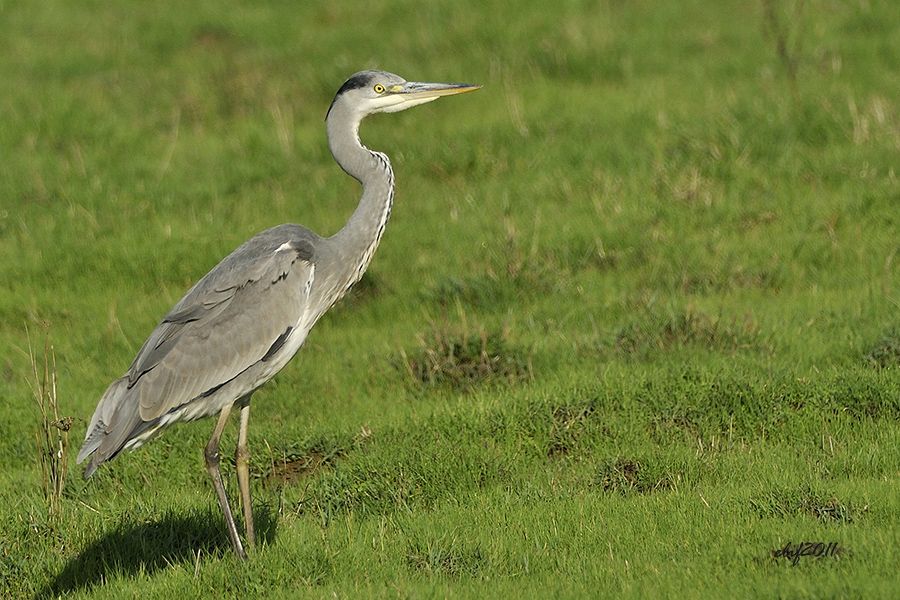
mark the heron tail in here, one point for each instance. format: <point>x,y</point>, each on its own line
<point>101,440</point>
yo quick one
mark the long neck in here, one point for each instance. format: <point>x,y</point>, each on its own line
<point>359,238</point>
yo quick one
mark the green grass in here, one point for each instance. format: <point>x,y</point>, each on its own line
<point>633,326</point>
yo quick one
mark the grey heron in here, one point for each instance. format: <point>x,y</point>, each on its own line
<point>245,319</point>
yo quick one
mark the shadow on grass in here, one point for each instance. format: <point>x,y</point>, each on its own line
<point>145,548</point>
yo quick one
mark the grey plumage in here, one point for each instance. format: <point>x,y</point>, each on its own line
<point>214,338</point>
<point>246,318</point>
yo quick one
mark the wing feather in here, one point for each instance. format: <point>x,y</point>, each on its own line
<point>224,325</point>
<point>207,347</point>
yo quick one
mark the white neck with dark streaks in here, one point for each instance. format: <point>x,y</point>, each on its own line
<point>359,238</point>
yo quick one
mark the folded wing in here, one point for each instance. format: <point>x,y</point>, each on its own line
<point>225,324</point>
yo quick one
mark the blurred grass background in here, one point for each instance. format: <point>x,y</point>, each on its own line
<point>633,325</point>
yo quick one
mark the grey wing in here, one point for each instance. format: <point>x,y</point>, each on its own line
<point>229,321</point>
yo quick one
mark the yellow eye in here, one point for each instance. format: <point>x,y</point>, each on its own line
<point>379,89</point>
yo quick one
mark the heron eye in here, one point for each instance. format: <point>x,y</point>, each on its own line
<point>379,89</point>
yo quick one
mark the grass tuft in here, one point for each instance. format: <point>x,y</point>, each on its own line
<point>589,253</point>
<point>446,556</point>
<point>292,467</point>
<point>462,358</point>
<point>689,327</point>
<point>730,280</point>
<point>886,352</point>
<point>783,504</point>
<point>631,476</point>
<point>52,435</point>
<point>567,426</point>
<point>294,463</point>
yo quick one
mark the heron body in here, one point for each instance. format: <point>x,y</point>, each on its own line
<point>245,319</point>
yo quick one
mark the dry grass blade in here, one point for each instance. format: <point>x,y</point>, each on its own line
<point>52,435</point>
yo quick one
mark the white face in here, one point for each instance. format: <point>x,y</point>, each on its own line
<point>378,91</point>
<point>387,93</point>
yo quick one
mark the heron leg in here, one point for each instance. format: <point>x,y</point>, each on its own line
<point>212,465</point>
<point>242,460</point>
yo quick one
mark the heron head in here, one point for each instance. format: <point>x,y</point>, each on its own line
<point>369,92</point>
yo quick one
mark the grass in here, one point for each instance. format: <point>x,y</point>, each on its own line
<point>52,437</point>
<point>632,328</point>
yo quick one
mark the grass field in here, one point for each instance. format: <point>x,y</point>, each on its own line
<point>633,327</point>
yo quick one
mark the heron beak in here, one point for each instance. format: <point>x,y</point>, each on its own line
<point>414,93</point>
<point>415,90</point>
